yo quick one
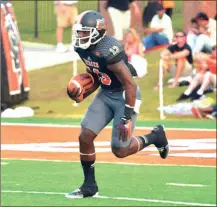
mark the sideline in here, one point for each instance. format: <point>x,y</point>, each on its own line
<point>115,163</point>
<point>115,198</point>
<point>107,127</point>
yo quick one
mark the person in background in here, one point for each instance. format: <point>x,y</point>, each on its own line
<point>169,6</point>
<point>182,55</point>
<point>209,112</point>
<point>205,76</point>
<point>134,50</point>
<point>193,33</point>
<point>149,11</point>
<point>203,42</point>
<point>132,43</point>
<point>209,25</point>
<point>66,13</point>
<point>120,15</point>
<point>160,31</point>
<point>198,38</point>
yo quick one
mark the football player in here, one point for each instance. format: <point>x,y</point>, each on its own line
<point>117,100</point>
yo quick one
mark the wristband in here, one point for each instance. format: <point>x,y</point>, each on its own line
<point>128,112</point>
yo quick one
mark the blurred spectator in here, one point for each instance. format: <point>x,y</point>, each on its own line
<point>66,12</point>
<point>205,77</point>
<point>193,33</point>
<point>207,112</point>
<point>132,43</point>
<point>203,42</point>
<point>134,51</point>
<point>119,12</point>
<point>160,31</point>
<point>209,24</point>
<point>198,38</point>
<point>211,60</point>
<point>149,11</point>
<point>169,6</point>
<point>182,55</point>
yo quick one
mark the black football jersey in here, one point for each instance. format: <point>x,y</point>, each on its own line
<point>107,51</point>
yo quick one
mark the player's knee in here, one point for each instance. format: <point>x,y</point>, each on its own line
<point>119,152</point>
<point>86,137</point>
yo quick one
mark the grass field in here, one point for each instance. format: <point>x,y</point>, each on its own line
<point>44,183</point>
<point>198,124</point>
<point>40,163</point>
<point>40,157</point>
<point>48,92</point>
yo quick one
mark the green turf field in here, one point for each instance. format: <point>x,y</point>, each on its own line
<point>44,183</point>
<point>188,124</point>
<point>48,95</point>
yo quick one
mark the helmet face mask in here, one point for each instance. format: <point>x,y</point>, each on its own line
<point>87,32</point>
<point>83,37</point>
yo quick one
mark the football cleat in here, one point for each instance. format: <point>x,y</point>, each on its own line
<point>84,191</point>
<point>162,143</point>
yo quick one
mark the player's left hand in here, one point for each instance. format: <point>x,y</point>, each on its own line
<point>124,130</point>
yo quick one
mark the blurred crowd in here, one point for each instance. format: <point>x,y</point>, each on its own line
<point>188,56</point>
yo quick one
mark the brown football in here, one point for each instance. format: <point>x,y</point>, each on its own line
<point>86,83</point>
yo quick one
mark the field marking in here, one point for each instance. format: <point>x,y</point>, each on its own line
<point>193,145</point>
<point>116,163</point>
<point>115,198</point>
<point>186,185</point>
<point>4,163</point>
<point>193,155</point>
<point>107,127</point>
<point>105,146</point>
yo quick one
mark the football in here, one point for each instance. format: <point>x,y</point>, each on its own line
<point>85,83</point>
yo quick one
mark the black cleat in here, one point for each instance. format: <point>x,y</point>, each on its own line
<point>84,191</point>
<point>161,143</point>
<point>182,97</point>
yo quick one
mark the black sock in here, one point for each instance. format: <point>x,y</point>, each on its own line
<point>89,172</point>
<point>148,139</point>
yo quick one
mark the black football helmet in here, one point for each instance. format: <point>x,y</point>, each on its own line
<point>89,29</point>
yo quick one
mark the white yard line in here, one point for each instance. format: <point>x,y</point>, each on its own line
<point>108,127</point>
<point>116,163</point>
<point>116,198</point>
<point>4,163</point>
<point>186,185</point>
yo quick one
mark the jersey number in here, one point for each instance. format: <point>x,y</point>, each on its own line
<point>104,78</point>
<point>114,50</point>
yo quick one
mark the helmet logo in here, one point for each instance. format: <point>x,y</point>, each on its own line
<point>97,54</point>
<point>100,24</point>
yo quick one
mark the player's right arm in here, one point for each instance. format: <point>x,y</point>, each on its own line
<point>124,76</point>
<point>115,60</point>
<point>121,71</point>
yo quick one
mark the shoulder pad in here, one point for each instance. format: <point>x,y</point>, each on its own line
<point>109,48</point>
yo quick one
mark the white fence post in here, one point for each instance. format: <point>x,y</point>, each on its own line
<point>161,99</point>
